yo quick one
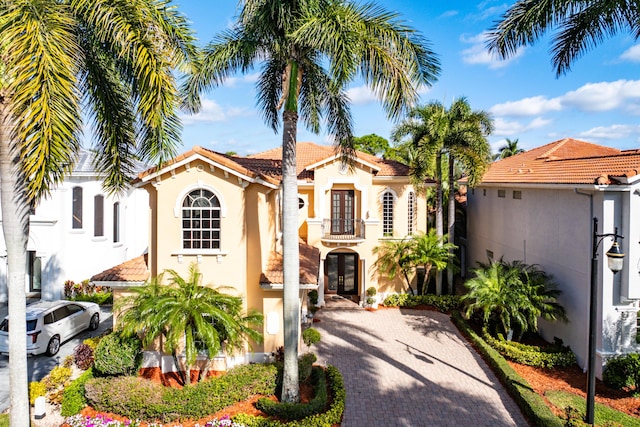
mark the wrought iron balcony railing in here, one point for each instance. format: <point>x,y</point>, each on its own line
<point>343,229</point>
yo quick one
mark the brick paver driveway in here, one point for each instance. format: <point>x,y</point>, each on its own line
<point>410,368</point>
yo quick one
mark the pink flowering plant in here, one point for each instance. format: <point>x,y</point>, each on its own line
<point>102,420</point>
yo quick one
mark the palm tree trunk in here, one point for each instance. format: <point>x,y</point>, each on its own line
<point>452,222</point>
<point>291,262</point>
<point>15,226</point>
<point>439,215</point>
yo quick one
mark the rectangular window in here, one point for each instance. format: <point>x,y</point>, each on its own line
<point>342,212</point>
<point>76,222</point>
<point>34,271</point>
<point>116,222</point>
<point>98,216</point>
<point>484,191</point>
<point>490,255</point>
<point>502,193</point>
<point>517,194</point>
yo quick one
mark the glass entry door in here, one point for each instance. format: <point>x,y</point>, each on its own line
<point>342,273</point>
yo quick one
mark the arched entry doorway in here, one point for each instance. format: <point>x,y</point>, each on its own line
<point>341,269</point>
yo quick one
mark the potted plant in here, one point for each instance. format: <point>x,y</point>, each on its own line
<point>371,299</point>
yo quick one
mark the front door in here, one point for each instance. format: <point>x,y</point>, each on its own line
<point>342,273</point>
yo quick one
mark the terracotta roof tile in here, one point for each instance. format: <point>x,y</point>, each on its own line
<point>567,161</point>
<point>309,267</point>
<point>134,270</point>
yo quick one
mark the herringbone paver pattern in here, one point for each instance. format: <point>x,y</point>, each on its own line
<point>411,368</point>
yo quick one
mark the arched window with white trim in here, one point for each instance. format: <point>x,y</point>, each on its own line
<point>411,213</point>
<point>387,214</point>
<point>201,220</point>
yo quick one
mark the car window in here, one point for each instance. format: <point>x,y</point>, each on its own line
<point>73,308</point>
<point>48,319</point>
<point>31,325</point>
<point>4,326</point>
<point>60,313</point>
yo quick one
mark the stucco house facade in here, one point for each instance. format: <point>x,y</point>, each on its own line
<point>77,230</point>
<point>539,206</point>
<point>224,213</point>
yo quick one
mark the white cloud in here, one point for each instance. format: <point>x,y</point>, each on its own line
<point>533,106</point>
<point>632,54</point>
<point>246,78</point>
<point>509,128</point>
<point>361,95</point>
<point>448,14</point>
<point>479,54</point>
<point>211,111</point>
<point>610,132</point>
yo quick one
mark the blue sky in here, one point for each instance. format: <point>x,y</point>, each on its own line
<point>598,101</point>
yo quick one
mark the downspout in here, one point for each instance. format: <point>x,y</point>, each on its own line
<point>590,195</point>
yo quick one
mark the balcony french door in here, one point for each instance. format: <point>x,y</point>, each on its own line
<point>342,273</point>
<point>342,212</point>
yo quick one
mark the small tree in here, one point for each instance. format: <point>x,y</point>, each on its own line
<point>310,336</point>
<point>431,253</point>
<point>186,313</point>
<point>395,257</point>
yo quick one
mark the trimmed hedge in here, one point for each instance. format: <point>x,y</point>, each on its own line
<point>623,371</point>
<point>332,416</point>
<point>531,404</point>
<point>444,303</point>
<point>73,400</point>
<point>117,355</point>
<point>541,357</point>
<point>136,398</point>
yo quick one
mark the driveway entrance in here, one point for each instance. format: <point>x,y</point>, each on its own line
<point>410,368</point>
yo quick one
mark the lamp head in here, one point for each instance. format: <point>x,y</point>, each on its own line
<point>615,257</point>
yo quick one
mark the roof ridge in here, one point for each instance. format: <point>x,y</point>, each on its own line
<point>558,144</point>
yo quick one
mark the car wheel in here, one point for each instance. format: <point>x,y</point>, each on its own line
<point>54,346</point>
<point>95,322</point>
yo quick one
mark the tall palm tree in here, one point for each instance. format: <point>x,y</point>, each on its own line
<point>309,51</point>
<point>510,148</point>
<point>459,132</point>
<point>62,61</point>
<point>186,313</point>
<point>393,257</point>
<point>580,26</point>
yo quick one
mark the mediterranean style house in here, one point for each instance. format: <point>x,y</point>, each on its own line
<point>224,213</point>
<point>539,206</point>
<point>78,230</point>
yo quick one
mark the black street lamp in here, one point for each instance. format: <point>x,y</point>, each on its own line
<point>615,262</point>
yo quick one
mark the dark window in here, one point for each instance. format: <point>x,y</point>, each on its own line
<point>342,212</point>
<point>387,214</point>
<point>98,216</point>
<point>60,313</point>
<point>34,271</point>
<point>517,194</point>
<point>484,191</point>
<point>201,220</point>
<point>77,208</point>
<point>411,216</point>
<point>502,193</point>
<point>31,325</point>
<point>48,319</point>
<point>73,309</point>
<point>116,222</point>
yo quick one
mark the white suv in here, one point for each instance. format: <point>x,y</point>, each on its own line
<point>50,323</point>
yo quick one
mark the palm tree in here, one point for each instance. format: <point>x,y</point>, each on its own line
<point>309,51</point>
<point>431,252</point>
<point>393,257</point>
<point>435,130</point>
<point>61,61</point>
<point>579,25</point>
<point>185,313</point>
<point>510,148</point>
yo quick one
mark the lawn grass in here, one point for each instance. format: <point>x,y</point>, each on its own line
<point>602,414</point>
<point>4,420</point>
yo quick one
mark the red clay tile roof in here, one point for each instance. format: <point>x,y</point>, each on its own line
<point>566,161</point>
<point>309,267</point>
<point>134,270</point>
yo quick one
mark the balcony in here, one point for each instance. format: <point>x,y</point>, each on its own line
<point>343,230</point>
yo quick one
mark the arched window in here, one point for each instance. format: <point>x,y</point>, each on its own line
<point>387,214</point>
<point>201,220</point>
<point>76,209</point>
<point>411,213</point>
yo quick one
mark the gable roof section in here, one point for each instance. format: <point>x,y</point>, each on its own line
<point>567,161</point>
<point>133,271</point>
<point>273,276</point>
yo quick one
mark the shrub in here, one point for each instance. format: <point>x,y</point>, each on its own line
<point>36,389</point>
<point>443,303</point>
<point>83,356</point>
<point>623,371</point>
<point>543,357</point>
<point>296,411</point>
<point>117,355</point>
<point>313,297</point>
<point>57,378</point>
<point>371,291</point>
<point>310,336</point>
<point>73,400</point>
<point>305,365</point>
<point>92,342</point>
<point>100,298</point>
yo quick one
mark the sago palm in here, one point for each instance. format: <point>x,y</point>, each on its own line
<point>62,62</point>
<point>185,313</point>
<point>579,27</point>
<point>308,52</point>
<point>394,257</point>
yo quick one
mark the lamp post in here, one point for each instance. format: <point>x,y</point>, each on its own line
<point>615,262</point>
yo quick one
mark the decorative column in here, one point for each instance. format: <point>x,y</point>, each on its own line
<point>321,302</point>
